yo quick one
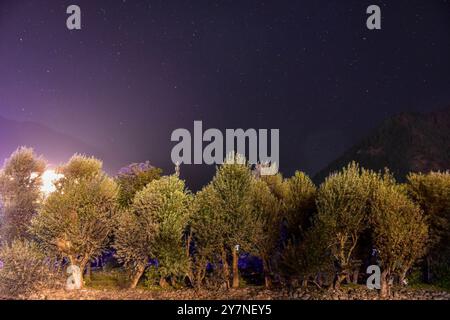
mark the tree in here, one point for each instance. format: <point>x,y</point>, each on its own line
<point>267,220</point>
<point>77,219</point>
<point>296,205</point>
<point>20,183</point>
<point>399,231</point>
<point>80,167</point>
<point>432,192</point>
<point>307,259</point>
<point>299,204</point>
<point>207,229</point>
<point>229,218</point>
<point>277,185</point>
<point>342,206</point>
<point>232,186</point>
<point>133,237</point>
<point>134,178</point>
<point>153,228</point>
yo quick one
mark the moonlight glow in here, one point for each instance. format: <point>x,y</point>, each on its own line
<point>48,181</point>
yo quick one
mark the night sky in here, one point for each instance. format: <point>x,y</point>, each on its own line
<point>140,69</point>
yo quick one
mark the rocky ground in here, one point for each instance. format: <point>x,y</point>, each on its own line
<point>346,293</point>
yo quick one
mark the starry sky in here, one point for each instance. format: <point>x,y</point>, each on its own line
<point>140,69</point>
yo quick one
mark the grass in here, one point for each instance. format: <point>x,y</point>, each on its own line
<point>115,279</point>
<point>428,287</point>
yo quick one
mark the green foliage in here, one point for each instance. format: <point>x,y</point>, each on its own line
<point>133,179</point>
<point>153,228</point>
<point>25,268</point>
<point>76,220</point>
<point>307,258</point>
<point>80,167</point>
<point>303,251</point>
<point>133,237</point>
<point>399,228</point>
<point>268,217</point>
<point>232,189</point>
<point>20,182</point>
<point>223,218</point>
<point>206,224</point>
<point>277,185</point>
<point>155,219</point>
<point>299,202</point>
<point>342,205</point>
<point>432,192</point>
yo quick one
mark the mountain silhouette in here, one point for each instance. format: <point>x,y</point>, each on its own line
<point>408,142</point>
<point>56,147</point>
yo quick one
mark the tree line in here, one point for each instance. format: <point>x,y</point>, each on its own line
<point>160,232</point>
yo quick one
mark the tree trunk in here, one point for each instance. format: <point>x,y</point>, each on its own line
<point>338,280</point>
<point>347,278</point>
<point>319,279</point>
<point>226,269</point>
<point>385,287</point>
<point>402,278</point>
<point>235,269</point>
<point>163,283</point>
<point>305,282</point>
<point>267,276</point>
<point>82,269</point>
<point>268,281</point>
<point>137,275</point>
<point>355,276</point>
<point>428,271</point>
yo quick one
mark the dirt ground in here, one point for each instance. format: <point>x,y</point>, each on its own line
<point>350,293</point>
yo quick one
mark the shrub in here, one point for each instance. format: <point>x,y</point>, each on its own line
<point>25,268</point>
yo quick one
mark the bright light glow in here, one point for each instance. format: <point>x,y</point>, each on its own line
<point>48,181</point>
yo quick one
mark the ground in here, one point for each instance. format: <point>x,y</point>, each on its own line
<point>236,294</point>
<point>250,293</point>
<point>109,286</point>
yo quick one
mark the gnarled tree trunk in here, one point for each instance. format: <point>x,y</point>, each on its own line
<point>163,283</point>
<point>355,276</point>
<point>235,269</point>
<point>226,268</point>
<point>267,273</point>
<point>385,286</point>
<point>338,280</point>
<point>137,275</point>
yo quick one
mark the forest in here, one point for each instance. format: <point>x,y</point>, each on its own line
<point>146,230</point>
